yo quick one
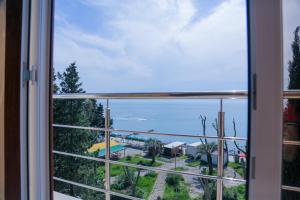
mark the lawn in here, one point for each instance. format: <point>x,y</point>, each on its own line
<point>196,162</point>
<point>116,170</point>
<point>180,168</point>
<point>176,188</point>
<point>237,167</point>
<point>171,194</point>
<point>193,163</point>
<point>146,183</point>
<point>143,188</point>
<point>139,159</point>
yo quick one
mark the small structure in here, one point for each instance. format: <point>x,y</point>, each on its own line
<point>215,158</point>
<point>101,150</point>
<point>192,150</point>
<point>173,149</point>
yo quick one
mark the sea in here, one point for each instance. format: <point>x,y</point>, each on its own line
<point>179,117</point>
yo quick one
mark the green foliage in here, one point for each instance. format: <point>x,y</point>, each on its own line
<point>154,147</point>
<point>237,167</point>
<point>235,193</point>
<point>291,172</point>
<point>294,65</point>
<point>140,160</point>
<point>176,188</point>
<point>81,113</point>
<point>180,168</point>
<point>146,183</point>
<point>294,69</point>
<point>129,180</point>
<point>116,170</point>
<point>173,179</point>
<point>193,163</point>
<point>128,158</point>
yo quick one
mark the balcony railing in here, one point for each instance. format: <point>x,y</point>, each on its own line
<point>221,138</point>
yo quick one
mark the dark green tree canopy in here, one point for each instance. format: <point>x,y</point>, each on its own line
<point>82,113</point>
<point>294,65</point>
<point>70,80</point>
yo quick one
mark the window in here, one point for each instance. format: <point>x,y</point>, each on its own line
<point>112,137</point>
<point>165,144</point>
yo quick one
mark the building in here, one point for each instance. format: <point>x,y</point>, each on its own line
<point>172,149</point>
<point>193,149</point>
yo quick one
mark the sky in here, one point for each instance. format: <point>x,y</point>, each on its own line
<point>153,45</point>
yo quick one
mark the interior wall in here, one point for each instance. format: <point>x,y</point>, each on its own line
<point>2,72</point>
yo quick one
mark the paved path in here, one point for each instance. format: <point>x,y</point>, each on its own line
<point>194,186</point>
<point>159,186</point>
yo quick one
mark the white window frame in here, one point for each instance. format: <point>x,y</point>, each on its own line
<point>266,64</point>
<point>266,120</point>
<point>38,99</point>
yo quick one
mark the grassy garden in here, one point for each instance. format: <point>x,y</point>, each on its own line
<point>176,188</point>
<point>138,159</point>
<point>116,170</point>
<point>131,183</point>
<point>237,167</point>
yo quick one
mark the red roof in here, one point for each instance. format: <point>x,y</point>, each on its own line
<point>242,155</point>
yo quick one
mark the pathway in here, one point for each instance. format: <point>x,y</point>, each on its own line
<point>159,186</point>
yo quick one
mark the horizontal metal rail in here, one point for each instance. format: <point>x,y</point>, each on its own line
<point>95,188</point>
<point>291,188</point>
<point>233,94</point>
<point>157,95</point>
<point>157,169</point>
<point>149,133</point>
<point>291,142</point>
<point>290,94</point>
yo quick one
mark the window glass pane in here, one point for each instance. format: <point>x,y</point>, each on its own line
<point>127,46</point>
<point>291,128</point>
<point>135,46</point>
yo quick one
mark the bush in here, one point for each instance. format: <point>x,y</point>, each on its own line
<point>235,193</point>
<point>128,158</point>
<point>151,174</point>
<point>173,179</point>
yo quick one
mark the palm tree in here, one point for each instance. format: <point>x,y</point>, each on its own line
<point>154,147</point>
<point>216,127</point>
<point>207,148</point>
<point>132,178</point>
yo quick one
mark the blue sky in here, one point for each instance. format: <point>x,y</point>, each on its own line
<point>153,45</point>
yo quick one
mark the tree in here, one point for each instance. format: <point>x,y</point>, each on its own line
<point>154,147</point>
<point>291,171</point>
<point>294,65</point>
<point>215,126</point>
<point>244,151</point>
<point>75,112</point>
<point>207,148</point>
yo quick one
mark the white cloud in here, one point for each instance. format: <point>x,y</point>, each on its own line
<point>156,45</point>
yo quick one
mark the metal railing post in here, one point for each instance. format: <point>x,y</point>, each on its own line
<point>107,150</point>
<point>221,116</point>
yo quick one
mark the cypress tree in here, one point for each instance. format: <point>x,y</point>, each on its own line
<point>294,65</point>
<point>81,113</point>
<point>291,172</point>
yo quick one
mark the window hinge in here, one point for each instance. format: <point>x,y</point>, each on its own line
<point>29,74</point>
<point>254,92</point>
<point>253,159</point>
